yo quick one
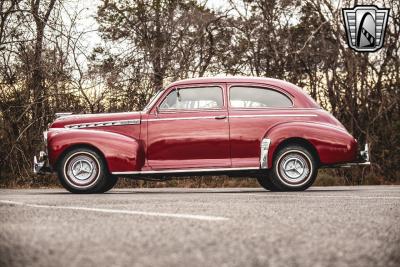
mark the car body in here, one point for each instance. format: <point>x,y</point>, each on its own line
<point>226,125</point>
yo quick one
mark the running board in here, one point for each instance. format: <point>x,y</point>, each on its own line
<point>186,171</point>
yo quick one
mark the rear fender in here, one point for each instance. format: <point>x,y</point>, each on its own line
<point>122,153</point>
<point>332,144</point>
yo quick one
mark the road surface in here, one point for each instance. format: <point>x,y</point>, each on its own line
<point>324,226</point>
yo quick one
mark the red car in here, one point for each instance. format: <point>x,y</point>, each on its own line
<point>258,127</point>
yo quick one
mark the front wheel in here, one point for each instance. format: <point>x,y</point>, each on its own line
<point>294,169</point>
<point>83,170</point>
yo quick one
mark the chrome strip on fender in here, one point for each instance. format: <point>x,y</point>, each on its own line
<point>102,124</point>
<point>265,143</point>
<point>186,170</point>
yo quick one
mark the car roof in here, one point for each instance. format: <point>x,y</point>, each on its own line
<point>229,79</point>
<point>302,98</point>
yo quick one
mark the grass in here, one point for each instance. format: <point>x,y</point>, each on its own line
<point>325,178</point>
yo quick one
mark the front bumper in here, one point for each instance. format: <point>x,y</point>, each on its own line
<point>41,163</point>
<point>363,159</point>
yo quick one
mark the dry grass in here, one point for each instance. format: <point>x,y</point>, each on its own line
<point>325,178</point>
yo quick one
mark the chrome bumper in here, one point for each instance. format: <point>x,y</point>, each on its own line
<point>362,160</point>
<point>41,164</point>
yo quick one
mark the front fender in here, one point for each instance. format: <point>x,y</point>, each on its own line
<point>332,144</point>
<point>122,153</point>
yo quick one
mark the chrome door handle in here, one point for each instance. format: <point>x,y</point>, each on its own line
<point>220,117</point>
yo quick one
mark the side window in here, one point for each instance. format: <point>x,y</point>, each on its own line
<point>194,98</point>
<point>257,97</point>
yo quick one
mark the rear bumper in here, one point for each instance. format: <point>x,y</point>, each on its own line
<point>41,163</point>
<point>363,159</point>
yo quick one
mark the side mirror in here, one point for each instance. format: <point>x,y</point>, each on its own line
<point>157,110</point>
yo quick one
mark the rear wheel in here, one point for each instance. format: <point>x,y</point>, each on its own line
<point>83,170</point>
<point>294,169</point>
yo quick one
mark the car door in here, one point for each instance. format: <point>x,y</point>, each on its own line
<point>253,110</point>
<point>190,129</point>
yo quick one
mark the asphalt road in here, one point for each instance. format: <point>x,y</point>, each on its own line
<point>333,226</point>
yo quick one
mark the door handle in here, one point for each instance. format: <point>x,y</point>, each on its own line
<point>221,117</point>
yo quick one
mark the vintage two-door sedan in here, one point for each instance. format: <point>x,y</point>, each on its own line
<point>255,127</point>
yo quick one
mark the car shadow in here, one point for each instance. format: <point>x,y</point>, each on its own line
<point>177,191</point>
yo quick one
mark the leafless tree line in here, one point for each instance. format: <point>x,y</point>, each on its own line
<point>46,65</point>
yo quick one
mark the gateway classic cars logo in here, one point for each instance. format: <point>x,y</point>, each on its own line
<point>365,27</point>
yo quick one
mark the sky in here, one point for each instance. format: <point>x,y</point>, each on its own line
<point>87,19</point>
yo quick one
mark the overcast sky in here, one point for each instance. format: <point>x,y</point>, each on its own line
<point>88,24</point>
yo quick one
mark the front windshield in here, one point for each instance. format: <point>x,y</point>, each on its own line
<point>153,99</point>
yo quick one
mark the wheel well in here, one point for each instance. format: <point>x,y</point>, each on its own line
<point>75,146</point>
<point>301,142</point>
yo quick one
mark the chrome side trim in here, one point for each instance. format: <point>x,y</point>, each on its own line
<point>102,124</point>
<point>182,118</point>
<point>234,116</point>
<point>273,115</point>
<point>186,170</point>
<point>265,143</point>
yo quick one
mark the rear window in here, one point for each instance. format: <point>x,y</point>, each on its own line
<point>257,97</point>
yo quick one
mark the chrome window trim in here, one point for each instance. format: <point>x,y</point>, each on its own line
<point>103,124</point>
<point>161,100</point>
<point>186,170</point>
<point>263,87</point>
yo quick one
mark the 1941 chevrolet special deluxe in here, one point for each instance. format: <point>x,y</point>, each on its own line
<point>255,127</point>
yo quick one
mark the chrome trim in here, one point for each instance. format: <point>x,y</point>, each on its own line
<point>262,87</point>
<point>234,116</point>
<point>273,115</point>
<point>102,124</point>
<point>186,170</point>
<point>41,163</point>
<point>37,166</point>
<point>265,143</point>
<point>182,118</point>
<point>63,114</point>
<point>45,137</point>
<point>365,153</point>
<point>351,164</point>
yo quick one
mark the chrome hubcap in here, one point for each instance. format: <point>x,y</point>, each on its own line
<point>82,169</point>
<point>294,168</point>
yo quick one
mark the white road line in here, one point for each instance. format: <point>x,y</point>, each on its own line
<point>328,196</point>
<point>130,212</point>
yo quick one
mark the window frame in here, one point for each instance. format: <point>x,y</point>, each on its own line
<point>169,91</point>
<point>259,86</point>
